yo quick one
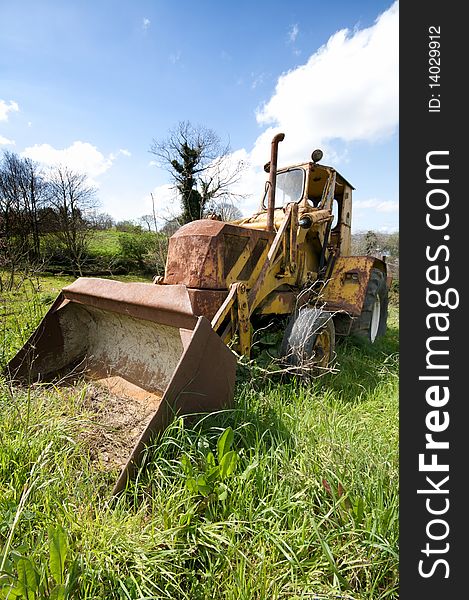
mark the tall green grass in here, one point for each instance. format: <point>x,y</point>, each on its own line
<point>310,511</point>
<point>22,308</point>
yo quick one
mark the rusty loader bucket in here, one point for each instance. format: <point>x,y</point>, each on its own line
<point>141,343</point>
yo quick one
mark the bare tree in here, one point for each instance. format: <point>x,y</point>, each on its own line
<point>377,243</point>
<point>391,244</point>
<point>73,201</point>
<point>22,194</point>
<point>170,227</point>
<point>200,165</point>
<point>101,221</point>
<point>225,211</point>
<point>22,197</point>
<point>147,221</point>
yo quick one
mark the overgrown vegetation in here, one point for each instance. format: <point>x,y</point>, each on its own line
<point>49,223</point>
<point>38,207</point>
<point>376,243</point>
<point>382,245</point>
<point>291,494</point>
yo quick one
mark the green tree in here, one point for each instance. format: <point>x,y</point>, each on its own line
<point>371,243</point>
<point>391,244</point>
<point>200,166</point>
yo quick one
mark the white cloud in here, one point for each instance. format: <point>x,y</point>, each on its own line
<point>363,227</point>
<point>5,108</point>
<point>79,156</point>
<point>388,229</point>
<point>122,152</point>
<point>6,142</point>
<point>175,57</point>
<point>293,33</point>
<point>348,90</point>
<point>257,80</point>
<point>375,214</point>
<point>145,23</point>
<point>384,206</point>
<point>166,203</point>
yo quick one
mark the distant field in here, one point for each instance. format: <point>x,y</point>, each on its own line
<point>310,510</point>
<point>105,242</point>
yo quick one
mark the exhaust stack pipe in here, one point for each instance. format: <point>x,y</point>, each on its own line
<point>273,179</point>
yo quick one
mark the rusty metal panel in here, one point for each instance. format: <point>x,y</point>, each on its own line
<point>203,254</point>
<point>206,302</point>
<point>193,255</point>
<point>141,300</point>
<point>346,289</point>
<point>194,262</point>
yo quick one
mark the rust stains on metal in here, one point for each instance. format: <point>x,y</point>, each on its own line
<point>170,306</point>
<point>211,255</point>
<point>206,302</point>
<point>347,287</point>
<point>244,324</point>
<point>203,382</point>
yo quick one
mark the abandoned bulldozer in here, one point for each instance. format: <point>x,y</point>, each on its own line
<point>170,346</point>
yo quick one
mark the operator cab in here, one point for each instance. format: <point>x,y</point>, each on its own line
<point>315,187</point>
<point>307,182</point>
<point>289,187</point>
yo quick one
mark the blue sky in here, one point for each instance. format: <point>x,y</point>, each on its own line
<point>90,84</point>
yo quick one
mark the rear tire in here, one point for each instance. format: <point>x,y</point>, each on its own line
<point>309,341</point>
<point>372,323</point>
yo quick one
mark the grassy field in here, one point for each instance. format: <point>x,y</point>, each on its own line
<point>105,242</point>
<point>308,507</point>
